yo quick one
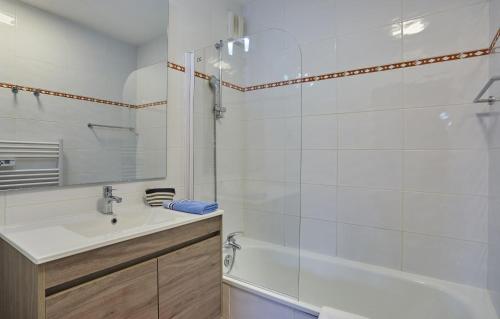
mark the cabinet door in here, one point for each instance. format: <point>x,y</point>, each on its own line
<point>190,281</point>
<point>130,293</point>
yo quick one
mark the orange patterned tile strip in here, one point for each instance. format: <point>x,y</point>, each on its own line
<point>322,77</point>
<point>372,69</point>
<point>366,70</point>
<point>77,97</point>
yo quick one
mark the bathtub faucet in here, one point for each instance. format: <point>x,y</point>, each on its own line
<point>231,241</point>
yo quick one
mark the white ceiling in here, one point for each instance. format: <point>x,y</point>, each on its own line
<point>132,21</point>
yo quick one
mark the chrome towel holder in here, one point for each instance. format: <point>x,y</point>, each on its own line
<point>491,99</point>
<point>92,125</point>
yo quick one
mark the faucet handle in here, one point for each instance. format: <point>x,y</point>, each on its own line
<point>107,190</point>
<point>231,236</point>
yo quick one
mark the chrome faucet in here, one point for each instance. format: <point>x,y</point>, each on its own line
<point>109,198</point>
<point>231,241</point>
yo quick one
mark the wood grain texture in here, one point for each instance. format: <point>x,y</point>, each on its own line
<point>130,293</point>
<point>226,295</point>
<point>71,268</point>
<point>190,282</point>
<point>21,283</point>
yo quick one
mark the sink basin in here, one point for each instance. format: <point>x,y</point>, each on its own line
<point>118,223</point>
<point>49,240</point>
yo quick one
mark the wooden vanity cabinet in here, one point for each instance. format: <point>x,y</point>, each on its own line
<point>173,274</point>
<point>129,293</point>
<point>189,281</point>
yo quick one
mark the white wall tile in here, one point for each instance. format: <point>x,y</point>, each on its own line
<point>378,208</point>
<point>449,259</point>
<point>319,167</point>
<point>361,15</point>
<point>437,37</point>
<point>414,8</point>
<point>457,127</point>
<point>371,130</point>
<point>319,56</point>
<point>319,132</point>
<point>460,217</point>
<point>443,83</point>
<point>376,91</point>
<point>494,127</point>
<point>265,165</point>
<point>264,196</point>
<point>318,15</point>
<point>319,202</point>
<point>384,47</point>
<point>458,172</point>
<point>318,236</point>
<point>370,245</point>
<point>292,231</point>
<point>267,227</point>
<point>319,98</point>
<point>265,133</point>
<point>380,169</point>
<point>262,15</point>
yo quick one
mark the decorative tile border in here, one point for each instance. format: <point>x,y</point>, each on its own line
<point>495,40</point>
<point>76,97</point>
<point>372,69</point>
<point>175,66</point>
<point>234,86</point>
<point>360,71</point>
<point>321,77</point>
<point>142,106</point>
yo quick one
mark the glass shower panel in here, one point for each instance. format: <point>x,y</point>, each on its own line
<point>206,63</point>
<point>256,179</point>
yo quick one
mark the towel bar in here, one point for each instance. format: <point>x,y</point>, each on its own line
<point>491,99</point>
<point>130,128</point>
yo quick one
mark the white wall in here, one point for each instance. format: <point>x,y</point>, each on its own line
<point>394,164</point>
<point>494,177</point>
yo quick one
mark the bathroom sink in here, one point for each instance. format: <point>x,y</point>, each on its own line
<point>121,222</point>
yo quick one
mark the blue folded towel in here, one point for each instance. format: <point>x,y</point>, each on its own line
<point>191,206</point>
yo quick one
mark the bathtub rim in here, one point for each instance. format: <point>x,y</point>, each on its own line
<point>458,291</point>
<point>272,295</point>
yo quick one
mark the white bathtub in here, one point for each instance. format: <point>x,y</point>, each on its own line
<point>271,271</point>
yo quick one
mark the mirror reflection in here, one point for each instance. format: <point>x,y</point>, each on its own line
<point>83,91</point>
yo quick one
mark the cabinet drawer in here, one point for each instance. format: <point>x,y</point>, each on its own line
<point>78,266</point>
<point>130,293</point>
<point>190,281</point>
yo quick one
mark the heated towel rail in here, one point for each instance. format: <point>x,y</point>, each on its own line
<point>491,99</point>
<point>26,164</point>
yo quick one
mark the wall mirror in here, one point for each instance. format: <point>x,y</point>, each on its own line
<point>83,91</point>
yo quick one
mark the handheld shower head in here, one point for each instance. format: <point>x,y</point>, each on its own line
<point>214,82</point>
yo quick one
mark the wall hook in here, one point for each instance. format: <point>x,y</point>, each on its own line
<point>15,89</point>
<point>36,93</point>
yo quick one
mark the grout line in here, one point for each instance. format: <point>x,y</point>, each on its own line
<point>402,194</point>
<point>407,231</point>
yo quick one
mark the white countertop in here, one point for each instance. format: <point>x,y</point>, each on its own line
<point>50,240</point>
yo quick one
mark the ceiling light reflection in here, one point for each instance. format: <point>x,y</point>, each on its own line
<point>7,19</point>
